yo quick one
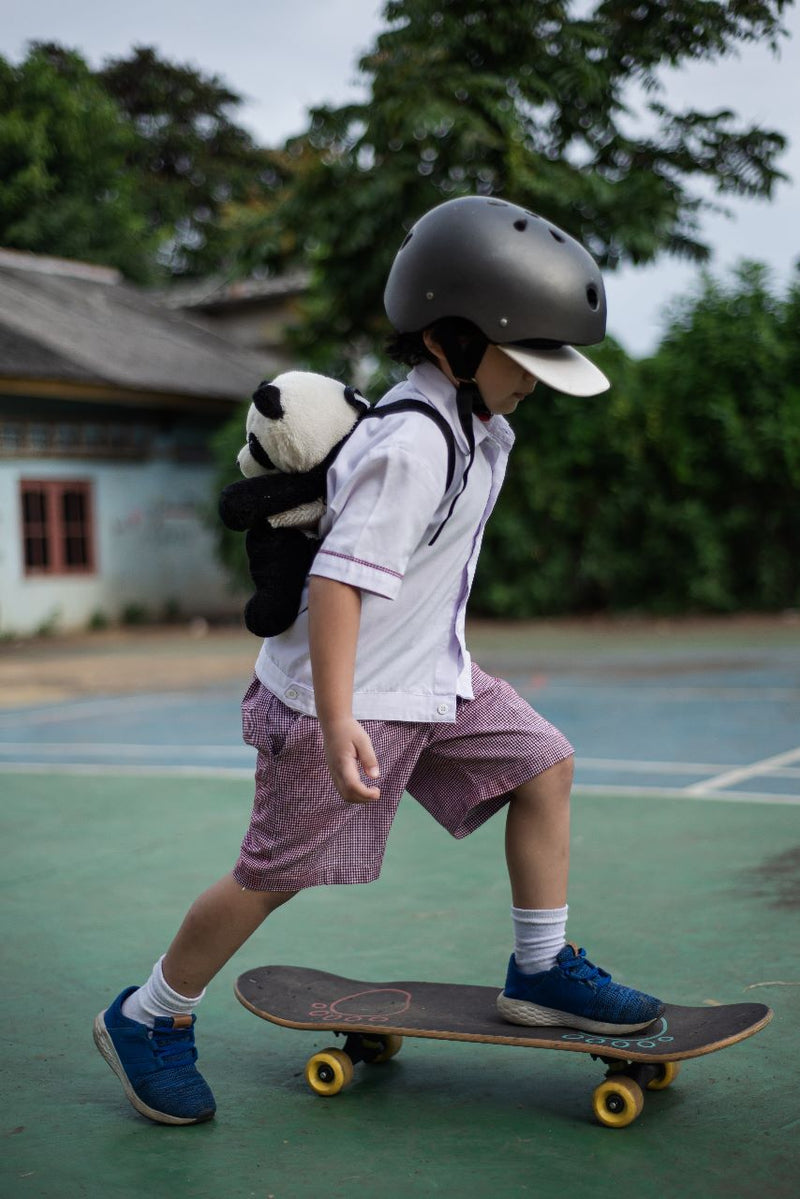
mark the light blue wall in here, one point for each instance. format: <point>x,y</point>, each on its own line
<point>152,545</point>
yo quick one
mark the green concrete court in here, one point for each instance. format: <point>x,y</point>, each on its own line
<point>688,888</point>
<point>696,901</point>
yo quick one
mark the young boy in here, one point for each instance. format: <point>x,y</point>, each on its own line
<point>372,691</point>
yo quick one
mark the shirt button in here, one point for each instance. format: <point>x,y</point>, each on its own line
<point>291,693</point>
<point>443,709</point>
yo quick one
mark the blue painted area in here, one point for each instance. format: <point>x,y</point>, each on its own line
<point>651,722</point>
<point>727,725</point>
<point>200,729</point>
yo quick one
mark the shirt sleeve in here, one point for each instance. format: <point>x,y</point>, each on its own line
<point>380,507</point>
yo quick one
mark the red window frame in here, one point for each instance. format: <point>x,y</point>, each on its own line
<point>57,522</point>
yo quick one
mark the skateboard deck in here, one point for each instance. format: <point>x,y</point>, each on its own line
<point>375,1016</point>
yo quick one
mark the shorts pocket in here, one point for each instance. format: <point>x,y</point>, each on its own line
<point>266,720</point>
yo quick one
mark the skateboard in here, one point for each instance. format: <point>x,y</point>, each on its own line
<point>375,1016</point>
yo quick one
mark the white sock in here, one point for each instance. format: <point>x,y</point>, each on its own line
<point>539,936</point>
<point>157,998</point>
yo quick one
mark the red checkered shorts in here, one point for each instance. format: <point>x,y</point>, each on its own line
<point>303,834</point>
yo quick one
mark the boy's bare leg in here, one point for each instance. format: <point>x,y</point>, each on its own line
<point>216,925</point>
<point>572,991</point>
<point>537,839</point>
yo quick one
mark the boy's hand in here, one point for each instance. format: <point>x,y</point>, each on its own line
<point>347,745</point>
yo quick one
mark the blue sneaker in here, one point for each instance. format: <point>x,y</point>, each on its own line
<point>155,1065</point>
<point>575,994</point>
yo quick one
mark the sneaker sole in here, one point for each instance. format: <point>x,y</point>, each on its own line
<point>106,1046</point>
<point>521,1011</point>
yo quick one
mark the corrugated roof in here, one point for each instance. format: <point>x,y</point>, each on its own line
<point>216,293</point>
<point>72,321</point>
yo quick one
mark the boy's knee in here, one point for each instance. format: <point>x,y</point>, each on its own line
<point>566,769</point>
<point>272,900</point>
<point>554,783</point>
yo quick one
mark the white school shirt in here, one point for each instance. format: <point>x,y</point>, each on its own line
<point>386,501</point>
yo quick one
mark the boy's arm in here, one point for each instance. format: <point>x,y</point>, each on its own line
<point>334,618</point>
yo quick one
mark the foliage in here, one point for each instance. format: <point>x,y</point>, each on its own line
<point>530,101</point>
<point>132,166</point>
<point>63,144</point>
<point>677,491</point>
<point>190,158</point>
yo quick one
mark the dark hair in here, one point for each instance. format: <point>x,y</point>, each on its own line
<point>410,348</point>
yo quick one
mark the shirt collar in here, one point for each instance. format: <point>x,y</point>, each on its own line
<point>434,385</point>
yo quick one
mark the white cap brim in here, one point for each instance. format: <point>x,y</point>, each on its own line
<point>563,369</point>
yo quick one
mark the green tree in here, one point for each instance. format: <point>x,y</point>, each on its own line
<point>723,434</point>
<point>680,489</point>
<point>64,184</point>
<point>190,158</point>
<point>528,100</point>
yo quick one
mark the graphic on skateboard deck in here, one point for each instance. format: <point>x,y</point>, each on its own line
<point>375,1016</point>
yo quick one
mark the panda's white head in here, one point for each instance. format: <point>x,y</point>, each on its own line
<point>295,421</point>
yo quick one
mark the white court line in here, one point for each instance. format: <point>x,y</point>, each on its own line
<point>78,709</point>
<point>237,773</point>
<point>99,768</point>
<point>722,775</point>
<point>680,694</point>
<point>132,750</point>
<point>50,749</point>
<point>728,778</point>
<point>757,797</point>
<point>629,766</point>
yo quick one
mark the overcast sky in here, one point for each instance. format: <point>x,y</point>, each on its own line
<point>285,57</point>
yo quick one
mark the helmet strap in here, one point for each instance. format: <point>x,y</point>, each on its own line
<point>464,355</point>
<point>470,400</point>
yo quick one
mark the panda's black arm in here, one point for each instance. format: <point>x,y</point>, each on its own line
<point>242,504</point>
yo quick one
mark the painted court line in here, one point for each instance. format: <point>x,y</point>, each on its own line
<point>101,768</point>
<point>130,750</point>
<point>234,773</point>
<point>630,766</point>
<point>113,705</point>
<point>756,797</point>
<point>738,775</point>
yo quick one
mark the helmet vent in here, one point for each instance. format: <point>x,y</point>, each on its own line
<point>521,225</point>
<point>407,239</point>
<point>592,296</point>
<point>558,236</point>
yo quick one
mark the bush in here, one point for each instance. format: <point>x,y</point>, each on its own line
<point>679,489</point>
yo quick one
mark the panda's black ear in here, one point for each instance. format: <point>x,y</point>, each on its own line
<point>267,399</point>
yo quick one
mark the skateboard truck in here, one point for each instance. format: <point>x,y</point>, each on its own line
<point>330,1070</point>
<point>620,1099</point>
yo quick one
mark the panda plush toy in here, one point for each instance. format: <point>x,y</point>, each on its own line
<point>295,427</point>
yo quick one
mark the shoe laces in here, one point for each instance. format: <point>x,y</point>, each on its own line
<point>580,968</point>
<point>174,1046</point>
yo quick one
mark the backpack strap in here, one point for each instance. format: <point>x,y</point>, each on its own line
<point>432,414</point>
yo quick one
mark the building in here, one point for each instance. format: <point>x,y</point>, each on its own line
<point>254,313</point>
<point>108,403</point>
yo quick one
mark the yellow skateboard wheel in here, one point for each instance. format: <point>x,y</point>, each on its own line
<point>669,1072</point>
<point>618,1101</point>
<point>329,1072</point>
<point>391,1045</point>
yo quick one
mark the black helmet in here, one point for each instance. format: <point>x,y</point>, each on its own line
<point>530,288</point>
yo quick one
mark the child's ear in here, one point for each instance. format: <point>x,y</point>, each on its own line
<point>433,346</point>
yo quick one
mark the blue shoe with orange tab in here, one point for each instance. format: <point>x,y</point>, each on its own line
<point>156,1066</point>
<point>575,994</point>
